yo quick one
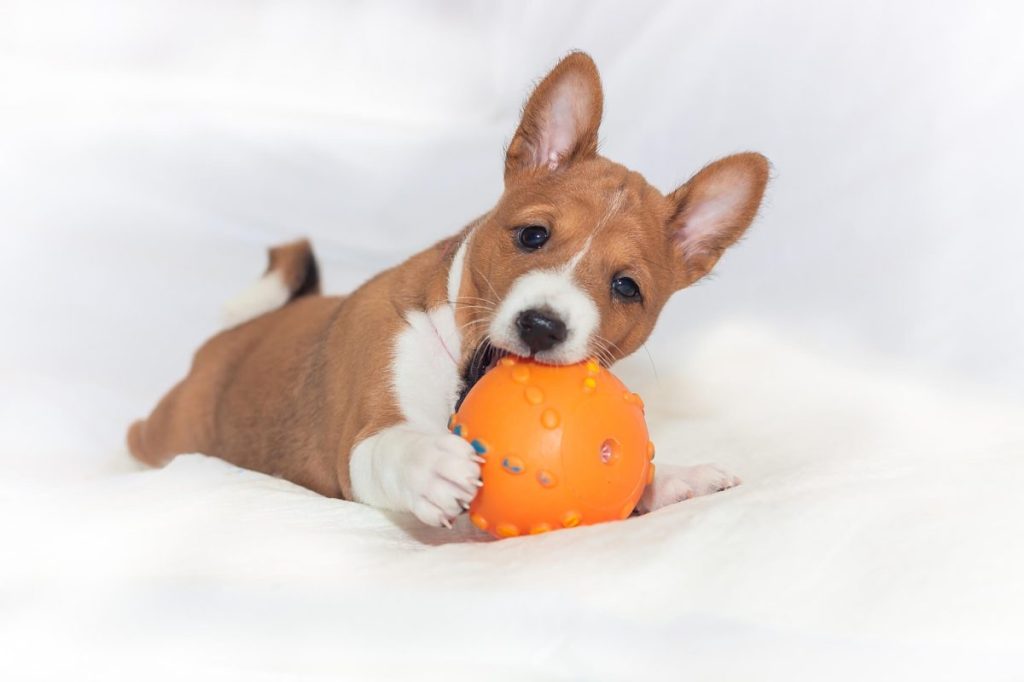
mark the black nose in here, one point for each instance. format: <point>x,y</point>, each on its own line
<point>540,331</point>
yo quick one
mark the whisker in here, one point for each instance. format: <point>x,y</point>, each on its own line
<point>478,307</point>
<point>599,352</point>
<point>606,350</point>
<point>487,281</point>
<point>471,323</point>
<point>476,352</point>
<point>460,299</point>
<point>609,342</point>
<point>657,379</point>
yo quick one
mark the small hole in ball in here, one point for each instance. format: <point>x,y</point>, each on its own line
<point>610,451</point>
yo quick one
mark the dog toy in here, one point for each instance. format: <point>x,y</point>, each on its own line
<point>563,446</point>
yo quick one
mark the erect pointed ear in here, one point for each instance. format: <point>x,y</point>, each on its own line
<point>713,209</point>
<point>560,120</point>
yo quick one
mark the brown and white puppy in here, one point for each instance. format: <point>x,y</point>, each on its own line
<point>350,395</point>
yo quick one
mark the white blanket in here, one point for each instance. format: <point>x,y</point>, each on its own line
<point>149,152</point>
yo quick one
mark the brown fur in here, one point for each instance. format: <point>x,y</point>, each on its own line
<point>279,394</point>
<point>298,267</point>
<point>291,392</point>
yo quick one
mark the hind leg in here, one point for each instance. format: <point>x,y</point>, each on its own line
<point>174,427</point>
<point>184,420</point>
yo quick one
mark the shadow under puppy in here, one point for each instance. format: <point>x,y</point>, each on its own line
<point>350,395</point>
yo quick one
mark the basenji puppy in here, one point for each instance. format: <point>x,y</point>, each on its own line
<point>350,395</point>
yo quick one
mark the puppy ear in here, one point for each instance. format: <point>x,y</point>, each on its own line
<point>560,120</point>
<point>713,209</point>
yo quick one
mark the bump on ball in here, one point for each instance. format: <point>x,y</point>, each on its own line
<point>563,446</point>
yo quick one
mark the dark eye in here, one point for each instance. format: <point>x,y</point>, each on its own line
<point>626,288</point>
<point>532,237</point>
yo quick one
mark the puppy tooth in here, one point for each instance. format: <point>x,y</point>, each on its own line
<point>478,459</point>
<point>446,523</point>
<point>479,483</point>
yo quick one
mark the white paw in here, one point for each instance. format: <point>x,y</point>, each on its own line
<point>676,483</point>
<point>441,477</point>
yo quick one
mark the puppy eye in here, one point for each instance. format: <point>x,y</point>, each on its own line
<point>625,288</point>
<point>532,237</point>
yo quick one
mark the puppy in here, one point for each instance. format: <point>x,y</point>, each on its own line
<point>350,395</point>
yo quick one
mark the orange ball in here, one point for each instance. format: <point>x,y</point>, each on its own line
<point>564,446</point>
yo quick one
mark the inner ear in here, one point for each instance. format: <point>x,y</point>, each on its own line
<point>560,120</point>
<point>713,209</point>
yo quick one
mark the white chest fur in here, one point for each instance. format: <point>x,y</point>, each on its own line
<point>416,465</point>
<point>425,371</point>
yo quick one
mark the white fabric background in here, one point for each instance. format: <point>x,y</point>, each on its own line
<point>855,359</point>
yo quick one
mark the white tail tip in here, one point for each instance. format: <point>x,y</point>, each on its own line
<point>266,294</point>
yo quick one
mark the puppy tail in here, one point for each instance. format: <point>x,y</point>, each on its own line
<point>292,272</point>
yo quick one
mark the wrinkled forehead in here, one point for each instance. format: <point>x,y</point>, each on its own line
<point>590,199</point>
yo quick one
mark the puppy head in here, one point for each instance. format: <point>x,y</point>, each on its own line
<point>580,254</point>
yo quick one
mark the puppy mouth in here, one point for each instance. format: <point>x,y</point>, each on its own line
<point>483,359</point>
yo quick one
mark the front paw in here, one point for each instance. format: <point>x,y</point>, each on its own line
<point>442,478</point>
<point>675,483</point>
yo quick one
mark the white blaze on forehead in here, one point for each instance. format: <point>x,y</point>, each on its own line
<point>613,207</point>
<point>610,210</point>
